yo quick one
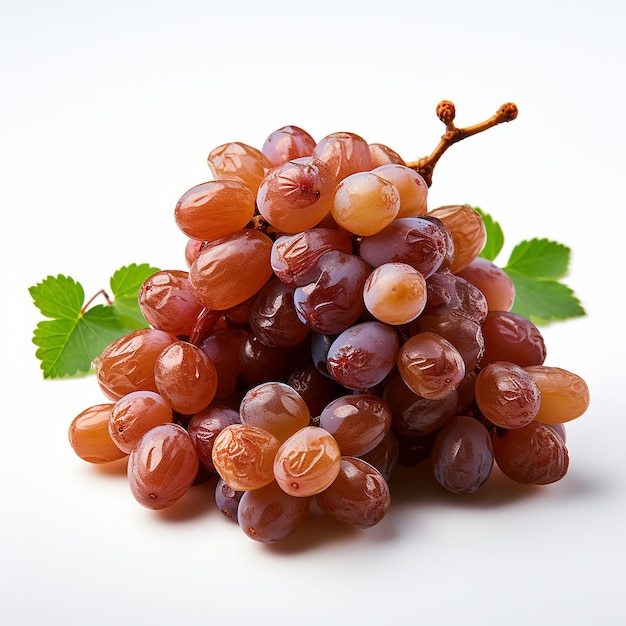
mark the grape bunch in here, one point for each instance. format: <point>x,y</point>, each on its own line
<point>328,327</point>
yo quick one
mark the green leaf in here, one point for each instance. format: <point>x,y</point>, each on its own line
<point>543,301</point>
<point>68,346</point>
<point>495,236</point>
<point>539,258</point>
<point>125,285</point>
<point>72,338</point>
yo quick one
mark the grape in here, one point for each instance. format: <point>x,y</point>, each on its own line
<point>413,415</point>
<point>243,456</point>
<point>534,454</point>
<point>414,449</point>
<point>288,143</point>
<point>231,269</point>
<point>384,457</point>
<point>564,395</point>
<point>461,330</point>
<point>334,301</point>
<point>89,435</point>
<point>430,365</point>
<point>296,195</point>
<point>269,514</point>
<point>344,153</point>
<point>241,162</point>
<point>492,281</point>
<point>316,389</point>
<point>127,364</point>
<point>468,232</point>
<point>395,293</point>
<point>166,301</point>
<point>511,337</point>
<point>294,258</point>
<point>162,467</point>
<point>134,415</point>
<point>507,395</point>
<point>227,499</point>
<point>329,328</point>
<point>273,317</point>
<point>307,462</point>
<point>211,210</point>
<point>411,186</point>
<point>462,455</point>
<point>411,240</point>
<point>380,154</point>
<point>222,346</point>
<point>363,355</point>
<point>358,496</point>
<point>365,203</point>
<point>185,377</point>
<point>276,407</point>
<point>260,364</point>
<point>205,426</point>
<point>358,422</point>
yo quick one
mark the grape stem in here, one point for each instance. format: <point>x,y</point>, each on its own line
<point>89,302</point>
<point>446,112</point>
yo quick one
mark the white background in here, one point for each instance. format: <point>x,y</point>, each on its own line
<point>108,110</point>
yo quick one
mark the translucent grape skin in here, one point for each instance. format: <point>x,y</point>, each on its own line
<point>363,355</point>
<point>185,377</point>
<point>534,454</point>
<point>296,195</point>
<point>230,270</point>
<point>243,456</point>
<point>273,317</point>
<point>413,415</point>
<point>462,455</point>
<point>241,162</point>
<point>344,153</point>
<point>384,457</point>
<point>564,395</point>
<point>334,301</point>
<point>468,232</point>
<point>307,462</point>
<point>411,240</point>
<point>316,389</point>
<point>127,364</point>
<point>227,500</point>
<point>166,301</point>
<point>90,438</point>
<point>359,496</point>
<point>461,330</point>
<point>358,422</point>
<point>411,186</point>
<point>511,337</point>
<point>395,293</point>
<point>294,258</point>
<point>492,281</point>
<point>507,395</point>
<point>213,209</point>
<point>222,346</point>
<point>287,143</point>
<point>430,365</point>
<point>275,407</point>
<point>162,467</point>
<point>269,514</point>
<point>205,426</point>
<point>365,203</point>
<point>380,154</point>
<point>134,415</point>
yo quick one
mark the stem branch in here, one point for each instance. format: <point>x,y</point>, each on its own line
<point>446,113</point>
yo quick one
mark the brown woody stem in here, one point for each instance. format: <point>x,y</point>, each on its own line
<point>446,113</point>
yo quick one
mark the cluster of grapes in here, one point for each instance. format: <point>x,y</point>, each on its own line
<point>329,327</point>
